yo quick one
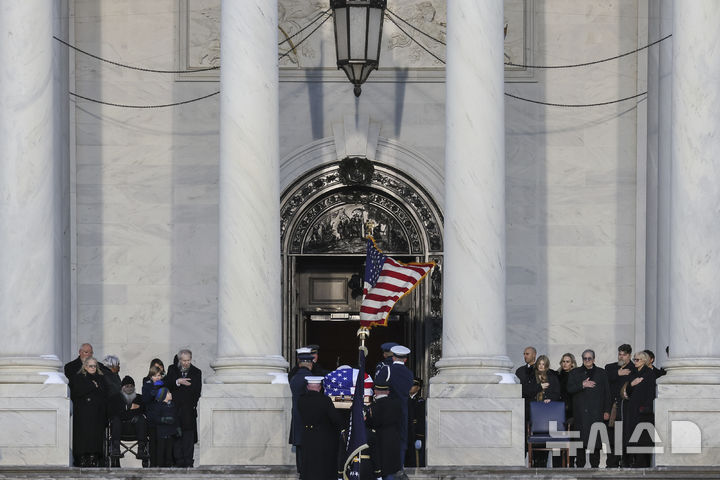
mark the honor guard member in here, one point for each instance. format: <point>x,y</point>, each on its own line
<point>386,418</point>
<point>400,379</point>
<point>387,356</point>
<point>321,426</point>
<point>316,369</point>
<point>297,388</point>
<point>415,454</point>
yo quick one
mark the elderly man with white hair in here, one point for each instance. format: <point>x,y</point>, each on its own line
<point>185,382</point>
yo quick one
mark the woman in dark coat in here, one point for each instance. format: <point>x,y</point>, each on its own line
<point>567,363</point>
<point>89,414</point>
<point>322,424</point>
<point>640,395</point>
<point>546,389</point>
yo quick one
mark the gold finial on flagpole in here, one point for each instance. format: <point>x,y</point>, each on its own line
<point>363,333</point>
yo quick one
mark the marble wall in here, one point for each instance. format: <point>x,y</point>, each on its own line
<point>146,179</point>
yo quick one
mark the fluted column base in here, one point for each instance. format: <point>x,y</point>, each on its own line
<point>34,425</point>
<point>475,424</point>
<point>694,371</point>
<point>686,419</point>
<point>23,370</point>
<point>263,370</point>
<point>472,370</point>
<point>245,424</point>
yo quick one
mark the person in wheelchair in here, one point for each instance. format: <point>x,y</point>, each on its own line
<point>126,411</point>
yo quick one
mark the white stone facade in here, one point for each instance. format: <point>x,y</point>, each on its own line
<point>129,229</point>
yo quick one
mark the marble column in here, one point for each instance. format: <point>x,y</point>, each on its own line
<point>657,300</point>
<point>691,391</point>
<point>465,395</point>
<point>251,394</point>
<point>33,393</point>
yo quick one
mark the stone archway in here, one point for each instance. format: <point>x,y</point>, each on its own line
<point>325,215</point>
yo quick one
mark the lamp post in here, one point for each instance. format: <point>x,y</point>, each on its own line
<point>358,33</point>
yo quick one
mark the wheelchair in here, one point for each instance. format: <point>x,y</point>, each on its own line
<point>129,443</point>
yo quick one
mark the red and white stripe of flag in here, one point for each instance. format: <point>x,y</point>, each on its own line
<point>396,279</point>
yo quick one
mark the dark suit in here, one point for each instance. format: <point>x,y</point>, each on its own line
<point>186,398</point>
<point>126,420</point>
<point>616,382</point>
<point>589,405</point>
<point>321,426</point>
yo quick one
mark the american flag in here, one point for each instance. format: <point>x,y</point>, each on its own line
<point>342,382</point>
<point>386,282</point>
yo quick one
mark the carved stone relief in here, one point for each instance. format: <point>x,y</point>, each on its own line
<point>317,207</point>
<point>200,35</point>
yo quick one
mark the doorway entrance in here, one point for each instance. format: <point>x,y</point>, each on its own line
<point>325,217</point>
<point>339,343</point>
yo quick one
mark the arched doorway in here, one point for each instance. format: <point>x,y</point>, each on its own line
<point>325,216</point>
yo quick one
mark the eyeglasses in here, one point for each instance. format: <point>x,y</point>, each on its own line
<point>587,359</point>
<point>636,359</point>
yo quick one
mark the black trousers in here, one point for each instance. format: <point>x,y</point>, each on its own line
<point>164,451</point>
<point>184,449</point>
<point>135,426</point>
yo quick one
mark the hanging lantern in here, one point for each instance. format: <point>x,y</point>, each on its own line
<point>358,34</point>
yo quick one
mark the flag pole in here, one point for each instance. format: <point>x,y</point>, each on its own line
<point>363,333</point>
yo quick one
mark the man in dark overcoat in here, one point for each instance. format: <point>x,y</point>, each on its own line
<point>321,427</point>
<point>591,404</point>
<point>184,380</point>
<point>73,367</point>
<point>298,386</point>
<point>618,374</point>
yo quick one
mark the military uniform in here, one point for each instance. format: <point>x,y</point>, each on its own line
<point>321,426</point>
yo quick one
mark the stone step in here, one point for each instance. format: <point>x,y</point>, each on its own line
<point>288,473</point>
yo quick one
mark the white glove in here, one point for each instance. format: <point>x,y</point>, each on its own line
<point>418,444</point>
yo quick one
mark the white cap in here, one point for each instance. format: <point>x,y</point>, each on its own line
<point>312,379</point>
<point>400,351</point>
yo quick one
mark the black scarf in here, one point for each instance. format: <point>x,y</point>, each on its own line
<point>590,372</point>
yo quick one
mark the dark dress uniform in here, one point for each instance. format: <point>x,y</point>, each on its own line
<point>416,431</point>
<point>387,420</point>
<point>367,461</point>
<point>321,426</point>
<point>589,405</point>
<point>640,409</point>
<point>616,402</point>
<point>89,418</point>
<point>298,386</point>
<point>186,398</point>
<point>401,381</point>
